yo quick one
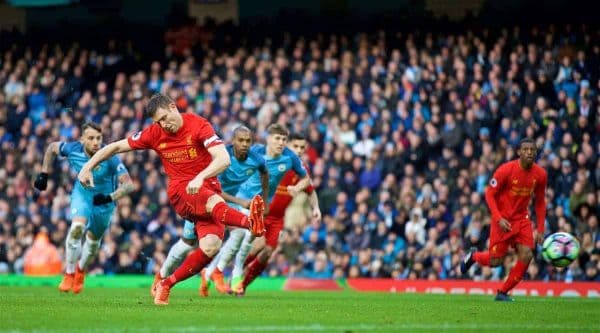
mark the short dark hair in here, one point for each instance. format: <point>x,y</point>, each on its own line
<point>525,140</point>
<point>92,125</point>
<point>240,129</point>
<point>297,136</point>
<point>277,129</point>
<point>158,101</point>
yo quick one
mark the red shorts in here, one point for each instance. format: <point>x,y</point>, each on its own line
<point>500,241</point>
<point>273,226</point>
<point>209,227</point>
<point>192,207</point>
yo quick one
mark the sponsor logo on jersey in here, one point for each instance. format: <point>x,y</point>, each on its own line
<point>493,182</point>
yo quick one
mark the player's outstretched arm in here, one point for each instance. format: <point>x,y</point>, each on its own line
<point>125,187</point>
<point>300,186</point>
<point>41,181</point>
<point>85,175</point>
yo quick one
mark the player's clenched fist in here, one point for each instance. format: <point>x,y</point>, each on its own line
<point>194,185</point>
<point>505,225</point>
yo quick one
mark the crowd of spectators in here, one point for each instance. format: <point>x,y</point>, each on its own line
<point>405,130</point>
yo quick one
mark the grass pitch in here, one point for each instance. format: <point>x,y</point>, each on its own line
<point>44,309</point>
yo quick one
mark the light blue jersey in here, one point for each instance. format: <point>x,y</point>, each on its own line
<point>105,175</point>
<point>235,175</point>
<point>240,171</point>
<point>277,167</point>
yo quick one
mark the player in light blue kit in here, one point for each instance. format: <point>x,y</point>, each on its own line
<point>279,160</point>
<point>244,164</point>
<point>91,207</point>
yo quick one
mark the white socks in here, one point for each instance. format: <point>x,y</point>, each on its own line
<point>240,257</point>
<point>229,249</point>
<point>177,253</point>
<point>90,248</point>
<point>73,246</point>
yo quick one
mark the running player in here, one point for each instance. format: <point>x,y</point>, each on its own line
<point>91,208</point>
<point>508,197</point>
<point>261,252</point>
<point>279,160</point>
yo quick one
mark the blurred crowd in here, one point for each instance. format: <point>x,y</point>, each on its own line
<point>404,128</point>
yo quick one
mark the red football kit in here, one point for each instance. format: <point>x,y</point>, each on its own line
<point>281,200</point>
<point>184,155</point>
<point>508,196</point>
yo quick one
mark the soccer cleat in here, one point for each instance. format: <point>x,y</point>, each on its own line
<point>162,294</point>
<point>255,217</point>
<point>467,261</point>
<point>219,280</point>
<point>67,283</point>
<point>237,286</point>
<point>157,279</point>
<point>78,280</point>
<point>204,284</point>
<point>503,297</point>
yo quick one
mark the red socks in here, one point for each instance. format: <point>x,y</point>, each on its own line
<point>249,260</point>
<point>224,214</point>
<point>482,258</point>
<point>514,277</point>
<point>255,268</point>
<point>192,265</point>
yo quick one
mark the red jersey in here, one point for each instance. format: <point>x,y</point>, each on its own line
<point>282,198</point>
<point>183,154</point>
<point>511,190</point>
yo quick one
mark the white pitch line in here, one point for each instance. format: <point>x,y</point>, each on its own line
<point>325,328</point>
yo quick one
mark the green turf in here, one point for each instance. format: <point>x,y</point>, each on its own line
<point>44,309</point>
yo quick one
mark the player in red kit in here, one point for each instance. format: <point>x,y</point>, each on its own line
<point>508,197</point>
<point>192,155</point>
<point>258,259</point>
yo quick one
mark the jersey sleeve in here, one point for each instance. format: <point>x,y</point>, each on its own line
<point>66,148</point>
<point>206,134</point>
<point>260,161</point>
<point>296,163</point>
<point>145,139</point>
<point>497,183</point>
<point>118,167</point>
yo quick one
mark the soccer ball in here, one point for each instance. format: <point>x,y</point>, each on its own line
<point>560,249</point>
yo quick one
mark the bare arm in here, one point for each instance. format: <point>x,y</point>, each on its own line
<point>50,156</point>
<point>300,186</point>
<point>264,181</point>
<point>125,187</point>
<point>85,175</point>
<point>313,200</point>
<point>220,162</point>
<point>234,199</point>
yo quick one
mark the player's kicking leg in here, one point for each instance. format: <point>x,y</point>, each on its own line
<point>177,253</point>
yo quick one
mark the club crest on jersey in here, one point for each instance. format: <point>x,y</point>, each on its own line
<point>136,136</point>
<point>493,182</point>
<point>193,153</point>
<point>189,140</point>
<point>249,172</point>
<point>163,145</point>
<point>281,167</point>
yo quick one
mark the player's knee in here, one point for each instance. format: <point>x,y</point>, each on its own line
<point>526,255</point>
<point>494,262</point>
<point>266,253</point>
<point>212,202</point>
<point>210,245</point>
<point>77,230</point>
